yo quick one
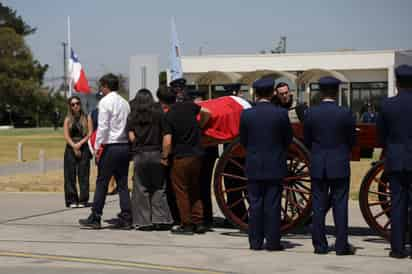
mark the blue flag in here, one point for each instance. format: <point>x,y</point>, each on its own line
<point>175,62</point>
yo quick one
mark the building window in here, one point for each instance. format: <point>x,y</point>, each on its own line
<point>364,93</point>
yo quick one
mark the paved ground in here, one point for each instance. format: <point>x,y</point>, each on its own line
<point>38,235</point>
<point>29,167</point>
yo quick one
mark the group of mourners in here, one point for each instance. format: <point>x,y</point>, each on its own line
<point>164,140</point>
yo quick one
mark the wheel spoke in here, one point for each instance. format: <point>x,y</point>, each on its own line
<point>302,186</point>
<point>236,163</point>
<point>236,203</point>
<point>296,190</point>
<point>233,189</point>
<point>379,193</point>
<point>234,176</point>
<point>379,203</point>
<point>296,177</point>
<point>382,213</point>
<point>379,181</point>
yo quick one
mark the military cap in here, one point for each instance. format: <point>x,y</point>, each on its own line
<point>404,72</point>
<point>264,83</point>
<point>329,82</point>
<point>179,82</point>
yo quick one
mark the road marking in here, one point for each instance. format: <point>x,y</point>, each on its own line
<point>108,262</point>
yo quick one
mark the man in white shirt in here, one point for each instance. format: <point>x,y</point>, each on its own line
<point>111,136</point>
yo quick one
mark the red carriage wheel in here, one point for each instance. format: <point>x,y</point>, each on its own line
<point>230,186</point>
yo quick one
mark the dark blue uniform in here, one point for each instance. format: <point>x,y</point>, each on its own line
<point>329,133</point>
<point>266,133</point>
<point>395,134</point>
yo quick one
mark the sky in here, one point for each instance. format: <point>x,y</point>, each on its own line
<point>104,33</point>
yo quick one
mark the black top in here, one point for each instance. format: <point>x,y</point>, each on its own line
<point>76,130</point>
<point>149,136</point>
<point>185,130</point>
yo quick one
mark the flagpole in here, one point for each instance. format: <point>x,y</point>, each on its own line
<point>69,45</point>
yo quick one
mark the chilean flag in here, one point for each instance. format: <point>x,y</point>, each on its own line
<point>225,116</point>
<point>77,75</point>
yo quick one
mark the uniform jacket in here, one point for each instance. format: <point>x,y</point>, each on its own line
<point>266,133</point>
<point>395,131</point>
<point>329,133</point>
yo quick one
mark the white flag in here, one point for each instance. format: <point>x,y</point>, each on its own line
<point>175,62</point>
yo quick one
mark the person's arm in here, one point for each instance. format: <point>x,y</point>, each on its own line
<point>307,130</point>
<point>288,131</point>
<point>204,117</point>
<point>66,133</point>
<point>166,149</point>
<point>102,126</point>
<point>381,128</point>
<point>243,134</point>
<point>132,136</point>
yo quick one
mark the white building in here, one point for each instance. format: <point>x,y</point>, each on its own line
<point>366,75</point>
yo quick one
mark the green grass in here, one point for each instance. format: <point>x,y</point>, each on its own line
<point>34,140</point>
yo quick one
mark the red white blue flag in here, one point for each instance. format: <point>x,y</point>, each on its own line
<point>77,75</point>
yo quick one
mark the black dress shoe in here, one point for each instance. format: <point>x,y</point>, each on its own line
<point>93,221</point>
<point>121,224</point>
<point>161,227</point>
<point>280,247</point>
<point>183,229</point>
<point>201,229</point>
<point>145,228</point>
<point>256,248</point>
<point>398,255</point>
<point>320,251</point>
<point>350,250</point>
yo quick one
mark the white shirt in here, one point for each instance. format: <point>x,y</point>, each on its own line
<point>113,112</point>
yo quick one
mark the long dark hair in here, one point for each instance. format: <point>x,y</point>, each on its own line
<point>142,107</point>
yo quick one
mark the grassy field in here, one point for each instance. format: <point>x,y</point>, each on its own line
<point>51,141</point>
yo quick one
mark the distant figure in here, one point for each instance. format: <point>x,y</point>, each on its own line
<point>329,133</point>
<point>266,133</point>
<point>369,116</point>
<point>56,118</point>
<point>395,134</point>
<point>76,155</point>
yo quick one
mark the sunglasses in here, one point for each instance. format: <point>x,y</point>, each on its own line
<point>75,104</point>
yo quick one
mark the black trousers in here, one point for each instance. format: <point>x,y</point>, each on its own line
<point>400,184</point>
<point>76,169</point>
<point>338,189</point>
<point>113,162</point>
<point>264,213</point>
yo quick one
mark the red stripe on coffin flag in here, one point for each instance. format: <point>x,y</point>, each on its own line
<point>225,116</point>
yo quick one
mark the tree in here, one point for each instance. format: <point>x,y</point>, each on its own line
<point>21,76</point>
<point>9,19</point>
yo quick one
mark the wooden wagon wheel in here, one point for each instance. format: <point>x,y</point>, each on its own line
<point>375,200</point>
<point>231,192</point>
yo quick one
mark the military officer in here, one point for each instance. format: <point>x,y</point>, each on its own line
<point>266,152</point>
<point>329,133</point>
<point>395,134</point>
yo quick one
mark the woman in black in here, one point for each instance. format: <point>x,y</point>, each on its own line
<point>146,130</point>
<point>77,155</point>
